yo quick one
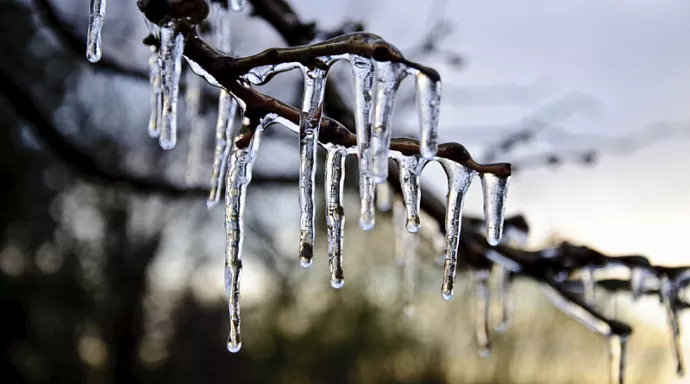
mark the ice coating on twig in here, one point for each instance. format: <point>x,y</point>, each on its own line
<point>156,94</point>
<point>225,137</point>
<point>618,346</point>
<point>192,98</point>
<point>502,303</point>
<point>495,189</point>
<point>363,74</point>
<point>335,214</point>
<point>389,75</point>
<point>668,297</point>
<point>93,35</point>
<point>309,122</point>
<point>459,179</point>
<point>482,298</point>
<point>239,176</point>
<point>237,5</point>
<point>384,197</point>
<point>406,256</point>
<point>410,169</point>
<point>428,106</point>
<point>172,47</point>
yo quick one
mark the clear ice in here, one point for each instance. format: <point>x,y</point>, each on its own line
<point>428,106</point>
<point>482,297</point>
<point>93,35</point>
<point>503,301</point>
<point>335,214</point>
<point>495,189</point>
<point>668,297</point>
<point>410,170</point>
<point>225,137</point>
<point>156,94</point>
<point>237,5</point>
<point>384,197</point>
<point>406,255</point>
<point>172,47</point>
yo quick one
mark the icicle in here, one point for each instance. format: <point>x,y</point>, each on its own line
<point>172,47</point>
<point>589,284</point>
<point>384,197</point>
<point>495,190</point>
<point>389,76</point>
<point>236,5</point>
<point>221,28</point>
<point>156,94</point>
<point>335,214</point>
<point>617,356</point>
<point>239,176</point>
<point>459,179</point>
<point>93,36</point>
<point>667,291</point>
<point>363,74</point>
<point>309,122</point>
<point>196,121</point>
<point>503,302</point>
<point>406,255</point>
<point>428,106</point>
<point>577,312</point>
<point>482,297</point>
<point>410,170</point>
<point>432,231</point>
<point>637,278</point>
<point>225,138</point>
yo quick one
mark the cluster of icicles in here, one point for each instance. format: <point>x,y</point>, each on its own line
<point>375,87</point>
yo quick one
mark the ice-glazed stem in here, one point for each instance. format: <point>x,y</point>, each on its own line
<point>225,137</point>
<point>335,214</point>
<point>618,346</point>
<point>384,197</point>
<point>482,298</point>
<point>156,93</point>
<point>239,176</point>
<point>459,179</point>
<point>503,301</point>
<point>410,170</point>
<point>237,5</point>
<point>389,77</point>
<point>363,74</point>
<point>495,191</point>
<point>172,47</point>
<point>309,122</point>
<point>428,107</point>
<point>93,35</point>
<point>589,284</point>
<point>668,296</point>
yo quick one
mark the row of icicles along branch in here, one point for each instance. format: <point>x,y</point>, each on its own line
<point>232,169</point>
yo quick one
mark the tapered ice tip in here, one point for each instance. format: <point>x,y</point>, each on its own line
<point>484,353</point>
<point>337,283</point>
<point>366,223</point>
<point>413,226</point>
<point>234,346</point>
<point>305,262</point>
<point>493,240</point>
<point>447,295</point>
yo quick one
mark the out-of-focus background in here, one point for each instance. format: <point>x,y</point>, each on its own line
<point>104,283</point>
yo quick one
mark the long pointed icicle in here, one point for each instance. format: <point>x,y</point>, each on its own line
<point>495,191</point>
<point>156,94</point>
<point>618,346</point>
<point>363,74</point>
<point>192,98</point>
<point>239,176</point>
<point>459,179</point>
<point>309,122</point>
<point>406,255</point>
<point>410,170</point>
<point>93,35</point>
<point>389,76</point>
<point>225,138</point>
<point>172,47</point>
<point>428,107</point>
<point>668,297</point>
<point>482,298</point>
<point>503,302</point>
<point>335,214</point>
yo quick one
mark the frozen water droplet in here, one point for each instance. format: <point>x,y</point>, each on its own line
<point>309,123</point>
<point>389,77</point>
<point>172,47</point>
<point>93,35</point>
<point>481,279</point>
<point>239,176</point>
<point>495,190</point>
<point>363,74</point>
<point>459,179</point>
<point>617,358</point>
<point>225,139</point>
<point>503,301</point>
<point>335,214</point>
<point>384,197</point>
<point>428,107</point>
<point>237,5</point>
<point>156,94</point>
<point>410,169</point>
